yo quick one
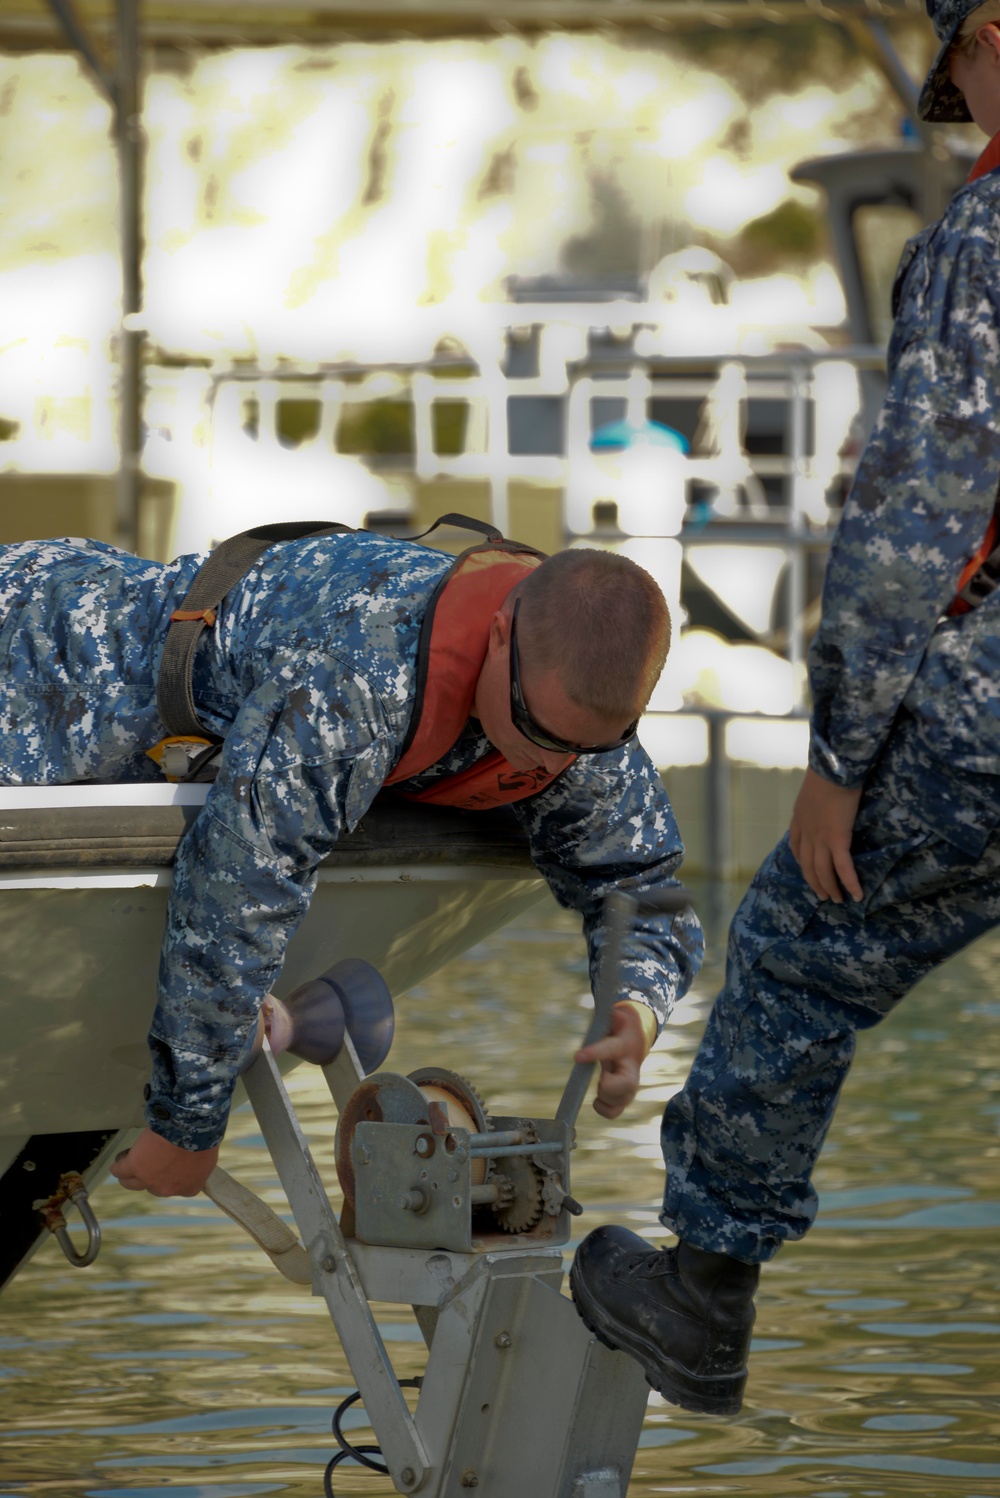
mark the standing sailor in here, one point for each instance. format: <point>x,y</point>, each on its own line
<point>899,809</point>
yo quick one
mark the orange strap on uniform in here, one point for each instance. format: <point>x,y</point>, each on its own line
<point>187,616</point>
<point>980,573</point>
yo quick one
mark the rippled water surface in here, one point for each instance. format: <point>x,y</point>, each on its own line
<point>182,1363</point>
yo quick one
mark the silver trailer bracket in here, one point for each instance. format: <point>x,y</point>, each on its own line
<point>334,1275</point>
<point>518,1397</point>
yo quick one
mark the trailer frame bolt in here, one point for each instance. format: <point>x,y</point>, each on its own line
<point>502,1340</point>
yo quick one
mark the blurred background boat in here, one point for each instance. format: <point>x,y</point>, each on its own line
<point>577,284</point>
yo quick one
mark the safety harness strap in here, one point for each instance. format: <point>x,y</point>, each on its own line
<point>463,523</point>
<point>227,564</point>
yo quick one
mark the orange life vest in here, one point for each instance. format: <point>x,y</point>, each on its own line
<point>452,648</point>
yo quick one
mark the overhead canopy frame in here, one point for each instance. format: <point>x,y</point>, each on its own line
<point>30,25</point>
<point>136,30</point>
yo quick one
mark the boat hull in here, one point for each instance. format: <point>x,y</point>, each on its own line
<point>84,882</point>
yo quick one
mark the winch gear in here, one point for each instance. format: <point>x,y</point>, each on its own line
<point>506,1190</point>
<point>527,1206</point>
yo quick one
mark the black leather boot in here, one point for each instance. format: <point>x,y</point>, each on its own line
<point>684,1314</point>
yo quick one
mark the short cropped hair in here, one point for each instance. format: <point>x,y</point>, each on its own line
<point>983,15</point>
<point>600,621</point>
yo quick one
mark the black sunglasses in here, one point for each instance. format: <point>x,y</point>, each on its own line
<point>525,723</point>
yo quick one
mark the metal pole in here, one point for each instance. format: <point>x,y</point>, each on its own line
<point>128,138</point>
<point>335,1276</point>
<point>78,35</point>
<point>796,597</point>
<point>498,458</point>
<point>619,910</point>
<point>872,36</point>
<point>717,798</point>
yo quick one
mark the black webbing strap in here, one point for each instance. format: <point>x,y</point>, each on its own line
<point>462,523</point>
<point>230,561</point>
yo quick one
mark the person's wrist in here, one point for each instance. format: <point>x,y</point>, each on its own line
<point>186,1129</point>
<point>646,1018</point>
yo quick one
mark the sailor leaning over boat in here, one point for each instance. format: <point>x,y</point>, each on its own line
<point>900,808</point>
<point>308,672</point>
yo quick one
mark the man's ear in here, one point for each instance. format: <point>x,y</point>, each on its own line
<point>499,630</point>
<point>989,35</point>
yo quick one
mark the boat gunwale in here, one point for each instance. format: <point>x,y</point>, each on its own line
<point>115,831</point>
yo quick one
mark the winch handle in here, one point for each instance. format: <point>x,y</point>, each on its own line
<point>620,911</point>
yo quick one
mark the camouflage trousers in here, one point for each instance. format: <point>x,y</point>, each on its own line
<point>802,977</point>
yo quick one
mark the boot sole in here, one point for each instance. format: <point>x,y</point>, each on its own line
<point>714,1395</point>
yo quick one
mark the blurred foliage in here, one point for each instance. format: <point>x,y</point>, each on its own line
<point>791,234</point>
<point>765,59</point>
<point>384,426</point>
<point>612,245</point>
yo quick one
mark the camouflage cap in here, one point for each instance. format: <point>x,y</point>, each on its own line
<point>940,101</point>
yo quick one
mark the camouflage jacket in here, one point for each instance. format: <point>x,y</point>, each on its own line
<point>919,508</point>
<point>308,675</point>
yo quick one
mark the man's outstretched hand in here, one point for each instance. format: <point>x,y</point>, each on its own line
<point>164,1169</point>
<point>820,837</point>
<point>621,1054</point>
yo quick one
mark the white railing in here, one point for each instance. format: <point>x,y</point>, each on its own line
<point>812,460</point>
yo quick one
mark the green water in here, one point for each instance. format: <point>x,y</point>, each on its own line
<point>182,1363</point>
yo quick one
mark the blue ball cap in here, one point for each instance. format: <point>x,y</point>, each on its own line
<point>940,101</point>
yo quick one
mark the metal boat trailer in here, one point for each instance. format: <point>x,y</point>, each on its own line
<point>518,1398</point>
<point>447,1210</point>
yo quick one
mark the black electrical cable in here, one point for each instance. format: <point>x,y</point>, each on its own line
<point>346,1449</point>
<point>361,1454</point>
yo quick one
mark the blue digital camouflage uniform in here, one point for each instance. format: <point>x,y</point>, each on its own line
<point>906,701</point>
<point>308,674</point>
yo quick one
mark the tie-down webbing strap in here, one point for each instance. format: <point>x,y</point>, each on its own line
<point>228,563</point>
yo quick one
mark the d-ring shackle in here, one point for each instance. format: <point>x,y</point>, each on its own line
<point>71,1189</point>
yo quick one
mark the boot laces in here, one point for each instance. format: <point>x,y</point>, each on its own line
<point>647,1264</point>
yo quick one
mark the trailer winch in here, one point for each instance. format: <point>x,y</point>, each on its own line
<point>460,1215</point>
